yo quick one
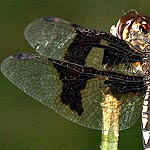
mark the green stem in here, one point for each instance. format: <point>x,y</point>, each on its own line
<point>110,124</point>
<point>109,141</point>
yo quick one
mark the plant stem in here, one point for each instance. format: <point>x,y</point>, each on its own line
<point>109,141</point>
<point>110,127</point>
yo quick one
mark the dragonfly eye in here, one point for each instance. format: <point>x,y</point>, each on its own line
<point>124,24</point>
<point>142,29</point>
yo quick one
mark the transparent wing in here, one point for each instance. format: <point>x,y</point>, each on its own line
<point>39,77</point>
<point>50,36</point>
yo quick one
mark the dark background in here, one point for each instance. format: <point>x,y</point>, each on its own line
<point>26,124</point>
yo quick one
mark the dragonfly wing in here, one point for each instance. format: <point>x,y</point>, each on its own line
<point>38,78</point>
<point>50,36</point>
<point>73,91</point>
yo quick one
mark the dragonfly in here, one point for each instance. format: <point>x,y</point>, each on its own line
<point>74,69</point>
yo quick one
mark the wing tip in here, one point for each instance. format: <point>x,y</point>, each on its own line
<point>54,19</point>
<point>21,56</point>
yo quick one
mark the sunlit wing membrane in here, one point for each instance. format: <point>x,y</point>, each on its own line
<point>50,36</point>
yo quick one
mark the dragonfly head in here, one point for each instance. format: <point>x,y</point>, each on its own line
<point>132,21</point>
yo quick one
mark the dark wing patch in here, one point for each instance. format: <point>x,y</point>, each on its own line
<point>73,83</point>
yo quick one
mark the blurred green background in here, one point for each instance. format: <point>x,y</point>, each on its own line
<point>26,124</point>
